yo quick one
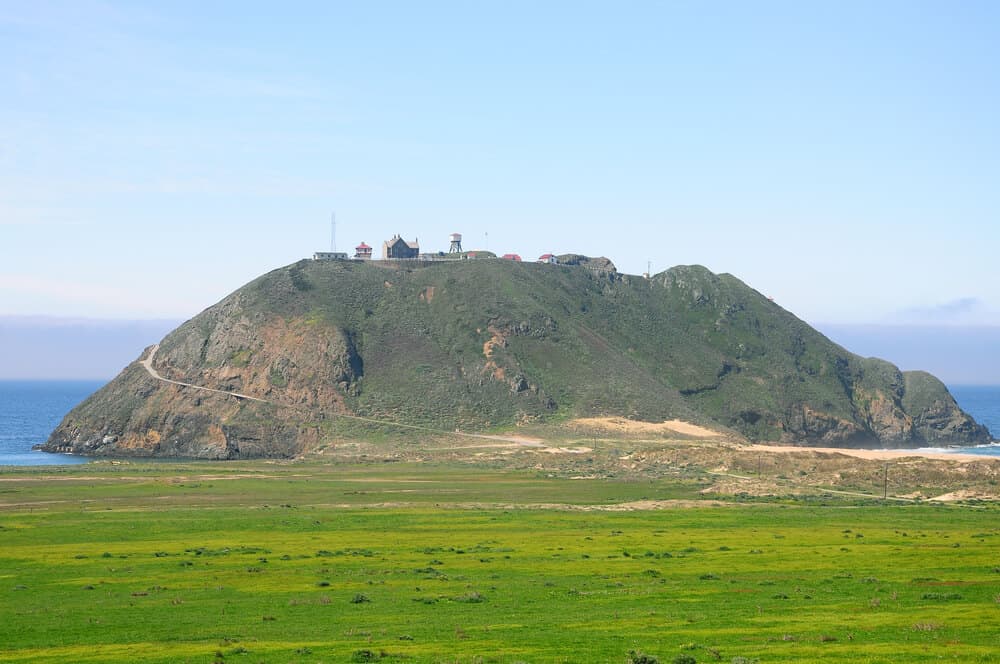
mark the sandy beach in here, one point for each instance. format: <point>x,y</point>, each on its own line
<point>873,455</point>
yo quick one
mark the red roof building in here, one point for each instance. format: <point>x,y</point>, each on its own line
<point>363,252</point>
<point>512,257</point>
<point>548,258</point>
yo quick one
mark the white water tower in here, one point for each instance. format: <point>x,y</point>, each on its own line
<point>456,244</point>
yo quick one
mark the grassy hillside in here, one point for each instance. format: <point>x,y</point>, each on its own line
<point>487,344</point>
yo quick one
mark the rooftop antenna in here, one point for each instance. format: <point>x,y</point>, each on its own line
<point>333,232</point>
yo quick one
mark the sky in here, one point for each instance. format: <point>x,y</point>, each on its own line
<point>841,157</point>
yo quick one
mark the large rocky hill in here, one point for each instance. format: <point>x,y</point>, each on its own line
<point>487,344</point>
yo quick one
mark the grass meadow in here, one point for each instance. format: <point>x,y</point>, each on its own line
<point>260,562</point>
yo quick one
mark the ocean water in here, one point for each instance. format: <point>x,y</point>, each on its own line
<point>983,403</point>
<point>30,410</point>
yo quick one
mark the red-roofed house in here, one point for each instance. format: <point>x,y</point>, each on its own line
<point>548,258</point>
<point>363,252</point>
<point>512,257</point>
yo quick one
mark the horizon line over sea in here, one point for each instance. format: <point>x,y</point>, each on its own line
<point>31,409</point>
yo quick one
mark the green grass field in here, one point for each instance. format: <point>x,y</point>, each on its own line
<point>259,562</point>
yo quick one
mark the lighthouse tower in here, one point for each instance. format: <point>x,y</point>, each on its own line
<point>456,244</point>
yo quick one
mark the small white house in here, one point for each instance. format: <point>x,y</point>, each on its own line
<point>329,256</point>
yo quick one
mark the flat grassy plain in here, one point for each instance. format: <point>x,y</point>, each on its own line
<point>316,562</point>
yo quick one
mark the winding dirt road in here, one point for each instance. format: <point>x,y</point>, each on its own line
<point>148,365</point>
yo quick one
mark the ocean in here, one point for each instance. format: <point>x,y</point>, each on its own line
<point>29,410</point>
<point>983,403</point>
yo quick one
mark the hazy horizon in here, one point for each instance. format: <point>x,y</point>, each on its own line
<point>52,348</point>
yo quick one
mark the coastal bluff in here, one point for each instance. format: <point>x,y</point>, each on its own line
<point>322,351</point>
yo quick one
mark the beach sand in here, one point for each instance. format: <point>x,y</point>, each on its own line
<point>873,455</point>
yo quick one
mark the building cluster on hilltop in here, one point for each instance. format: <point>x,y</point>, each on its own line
<point>396,248</point>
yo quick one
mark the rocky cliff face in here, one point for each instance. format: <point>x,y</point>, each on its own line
<point>477,344</point>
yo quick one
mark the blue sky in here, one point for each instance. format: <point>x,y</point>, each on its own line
<point>840,157</point>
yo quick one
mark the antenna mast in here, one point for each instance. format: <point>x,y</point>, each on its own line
<point>333,232</point>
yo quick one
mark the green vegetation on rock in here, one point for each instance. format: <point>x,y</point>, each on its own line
<point>489,344</point>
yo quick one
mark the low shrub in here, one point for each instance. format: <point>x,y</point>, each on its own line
<point>926,627</point>
<point>470,598</point>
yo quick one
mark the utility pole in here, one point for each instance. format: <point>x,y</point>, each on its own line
<point>333,232</point>
<point>885,482</point>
